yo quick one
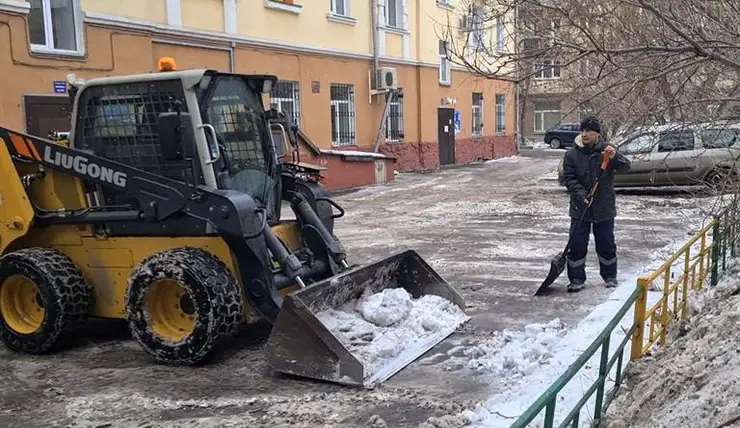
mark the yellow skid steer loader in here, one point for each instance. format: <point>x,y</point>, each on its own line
<point>163,208</point>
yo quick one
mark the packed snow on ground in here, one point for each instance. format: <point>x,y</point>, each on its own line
<point>695,380</point>
<point>378,327</point>
<point>509,159</point>
<point>523,364</point>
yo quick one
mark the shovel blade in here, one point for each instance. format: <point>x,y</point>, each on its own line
<point>557,266</point>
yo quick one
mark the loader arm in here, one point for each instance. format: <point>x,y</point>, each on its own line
<point>235,215</point>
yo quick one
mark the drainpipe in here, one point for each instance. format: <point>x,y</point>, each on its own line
<point>374,16</point>
<point>517,87</point>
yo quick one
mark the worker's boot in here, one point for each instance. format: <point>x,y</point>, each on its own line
<point>576,285</point>
<point>611,283</point>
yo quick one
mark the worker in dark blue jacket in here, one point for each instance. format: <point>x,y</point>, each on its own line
<point>581,167</point>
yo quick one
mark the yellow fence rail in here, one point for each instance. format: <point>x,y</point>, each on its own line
<point>674,302</point>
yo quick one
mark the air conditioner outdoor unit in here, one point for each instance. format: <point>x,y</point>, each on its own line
<point>387,78</point>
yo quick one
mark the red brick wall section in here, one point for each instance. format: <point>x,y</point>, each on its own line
<point>425,156</point>
<point>343,174</point>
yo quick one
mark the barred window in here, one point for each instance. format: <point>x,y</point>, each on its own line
<point>342,114</point>
<point>477,114</point>
<point>285,98</point>
<point>119,122</point>
<point>500,114</point>
<point>394,121</point>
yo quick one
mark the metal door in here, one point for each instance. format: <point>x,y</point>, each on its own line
<point>446,135</point>
<point>47,113</point>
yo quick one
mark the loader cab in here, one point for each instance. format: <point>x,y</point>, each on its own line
<point>201,127</point>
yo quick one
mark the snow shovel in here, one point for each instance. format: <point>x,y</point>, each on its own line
<point>557,264</point>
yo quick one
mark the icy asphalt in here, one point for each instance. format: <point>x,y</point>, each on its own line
<point>488,229</point>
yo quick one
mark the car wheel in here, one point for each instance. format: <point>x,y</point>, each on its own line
<point>555,143</point>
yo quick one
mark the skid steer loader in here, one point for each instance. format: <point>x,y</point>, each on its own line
<point>163,207</point>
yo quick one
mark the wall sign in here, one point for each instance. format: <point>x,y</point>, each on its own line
<point>60,87</point>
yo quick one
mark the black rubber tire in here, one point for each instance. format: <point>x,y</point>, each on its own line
<point>213,291</point>
<point>63,292</point>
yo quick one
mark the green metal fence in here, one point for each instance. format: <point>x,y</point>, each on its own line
<point>724,236</point>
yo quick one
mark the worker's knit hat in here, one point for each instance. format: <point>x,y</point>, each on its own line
<point>591,124</point>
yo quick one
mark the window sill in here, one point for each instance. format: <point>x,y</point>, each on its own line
<point>546,79</point>
<point>291,8</point>
<point>341,19</point>
<point>395,30</point>
<point>449,7</point>
<point>15,6</point>
<point>43,50</point>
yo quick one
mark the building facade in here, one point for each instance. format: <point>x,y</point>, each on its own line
<point>546,96</point>
<point>323,52</point>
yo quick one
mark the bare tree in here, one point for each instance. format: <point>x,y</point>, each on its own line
<point>634,63</point>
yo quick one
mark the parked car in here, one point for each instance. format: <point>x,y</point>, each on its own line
<point>676,155</point>
<point>563,135</point>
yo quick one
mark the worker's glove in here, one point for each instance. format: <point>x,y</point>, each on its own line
<point>583,202</point>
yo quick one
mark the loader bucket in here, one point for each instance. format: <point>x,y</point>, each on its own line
<point>305,340</point>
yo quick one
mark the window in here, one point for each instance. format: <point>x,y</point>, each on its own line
<point>720,138</point>
<point>394,13</point>
<point>500,114</point>
<point>675,141</point>
<point>477,17</point>
<point>342,115</point>
<point>477,114</point>
<point>500,44</point>
<point>52,25</point>
<point>639,144</point>
<point>394,122</point>
<point>339,7</point>
<point>547,69</point>
<point>285,98</point>
<point>445,66</point>
<point>545,119</point>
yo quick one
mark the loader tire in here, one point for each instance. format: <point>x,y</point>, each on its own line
<point>181,304</point>
<point>43,299</point>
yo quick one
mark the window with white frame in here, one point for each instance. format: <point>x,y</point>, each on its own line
<point>394,121</point>
<point>445,65</point>
<point>477,27</point>
<point>477,114</point>
<point>394,13</point>
<point>500,114</point>
<point>547,69</point>
<point>340,7</point>
<point>545,119</point>
<point>342,114</point>
<point>285,98</point>
<point>53,25</point>
<point>500,42</point>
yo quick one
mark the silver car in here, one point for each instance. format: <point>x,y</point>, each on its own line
<point>679,155</point>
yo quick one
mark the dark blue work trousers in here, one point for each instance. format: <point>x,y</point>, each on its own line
<point>606,249</point>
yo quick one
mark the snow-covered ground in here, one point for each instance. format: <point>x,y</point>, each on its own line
<point>489,230</point>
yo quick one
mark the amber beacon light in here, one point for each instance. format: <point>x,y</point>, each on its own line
<point>166,64</point>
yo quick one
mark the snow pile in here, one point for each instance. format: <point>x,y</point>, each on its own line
<point>695,380</point>
<point>513,354</point>
<point>378,327</point>
<point>509,159</point>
